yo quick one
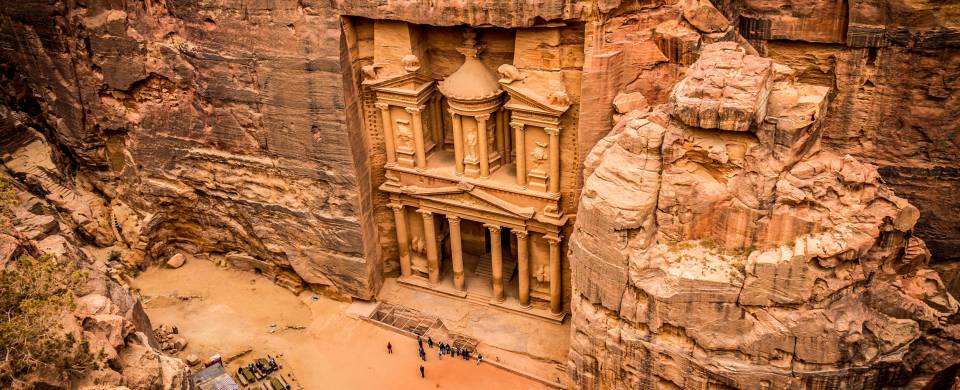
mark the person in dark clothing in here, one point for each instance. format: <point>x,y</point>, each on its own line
<point>420,341</point>
<point>389,347</point>
<point>421,372</point>
<point>430,342</point>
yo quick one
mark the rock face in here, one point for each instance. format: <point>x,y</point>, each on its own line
<point>106,314</point>
<point>755,224</point>
<point>731,255</point>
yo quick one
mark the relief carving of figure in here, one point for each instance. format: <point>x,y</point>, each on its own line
<point>418,245</point>
<point>559,95</point>
<point>370,71</point>
<point>542,274</point>
<point>410,63</point>
<point>509,73</point>
<point>404,135</point>
<point>491,138</point>
<point>539,155</point>
<point>470,141</point>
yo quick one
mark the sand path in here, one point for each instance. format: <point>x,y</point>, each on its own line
<point>236,310</point>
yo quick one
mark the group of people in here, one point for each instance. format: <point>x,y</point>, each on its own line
<point>442,349</point>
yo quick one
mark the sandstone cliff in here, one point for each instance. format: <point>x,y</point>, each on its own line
<point>105,315</point>
<point>234,128</point>
<point>719,245</point>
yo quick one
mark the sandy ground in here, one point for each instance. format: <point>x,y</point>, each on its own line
<point>531,345</point>
<point>233,311</point>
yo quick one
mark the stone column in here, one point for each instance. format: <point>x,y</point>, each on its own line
<point>437,121</point>
<point>496,261</point>
<point>418,136</point>
<point>400,217</point>
<point>554,159</point>
<point>520,148</point>
<point>457,142</point>
<point>523,267</point>
<point>501,143</point>
<point>482,140</point>
<point>456,248</point>
<point>388,140</point>
<point>430,236</point>
<point>555,274</point>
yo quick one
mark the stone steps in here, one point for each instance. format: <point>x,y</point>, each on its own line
<point>485,269</point>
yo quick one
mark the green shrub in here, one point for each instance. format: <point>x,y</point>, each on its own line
<point>34,295</point>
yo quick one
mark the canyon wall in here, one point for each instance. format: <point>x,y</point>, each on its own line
<point>154,100</point>
<point>709,243</point>
<point>719,244</point>
<point>102,313</point>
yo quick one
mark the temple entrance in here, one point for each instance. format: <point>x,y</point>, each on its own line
<point>478,262</point>
<point>487,262</point>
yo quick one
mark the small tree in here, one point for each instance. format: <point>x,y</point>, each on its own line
<point>34,295</point>
<point>7,201</point>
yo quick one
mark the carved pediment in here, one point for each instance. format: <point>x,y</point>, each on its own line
<point>527,100</point>
<point>469,196</point>
<point>408,84</point>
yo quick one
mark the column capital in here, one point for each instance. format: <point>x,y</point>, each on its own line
<point>425,213</point>
<point>396,206</point>
<point>382,106</point>
<point>521,234</point>
<point>517,125</point>
<point>453,219</point>
<point>553,239</point>
<point>452,111</point>
<point>552,130</point>
<point>414,110</point>
<point>492,228</point>
<point>482,117</point>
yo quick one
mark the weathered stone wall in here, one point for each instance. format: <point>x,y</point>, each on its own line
<point>235,127</point>
<point>719,246</point>
<point>224,126</point>
<point>894,68</point>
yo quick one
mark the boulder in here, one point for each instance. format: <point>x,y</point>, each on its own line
<point>192,359</point>
<point>626,102</point>
<point>176,261</point>
<point>704,16</point>
<point>726,90</point>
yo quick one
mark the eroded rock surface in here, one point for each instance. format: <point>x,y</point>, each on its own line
<point>105,314</point>
<point>738,255</point>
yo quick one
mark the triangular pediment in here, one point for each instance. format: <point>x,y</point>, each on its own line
<point>471,197</point>
<point>527,100</point>
<point>410,83</point>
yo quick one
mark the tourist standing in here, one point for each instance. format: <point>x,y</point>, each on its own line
<point>430,342</point>
<point>389,347</point>
<point>479,358</point>
<point>421,372</point>
<point>420,341</point>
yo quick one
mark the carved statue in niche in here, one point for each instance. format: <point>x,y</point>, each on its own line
<point>491,138</point>
<point>404,134</point>
<point>509,73</point>
<point>539,155</point>
<point>470,141</point>
<point>418,245</point>
<point>542,274</point>
<point>410,63</point>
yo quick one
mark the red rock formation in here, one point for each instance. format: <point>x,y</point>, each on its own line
<point>733,256</point>
<point>235,128</point>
